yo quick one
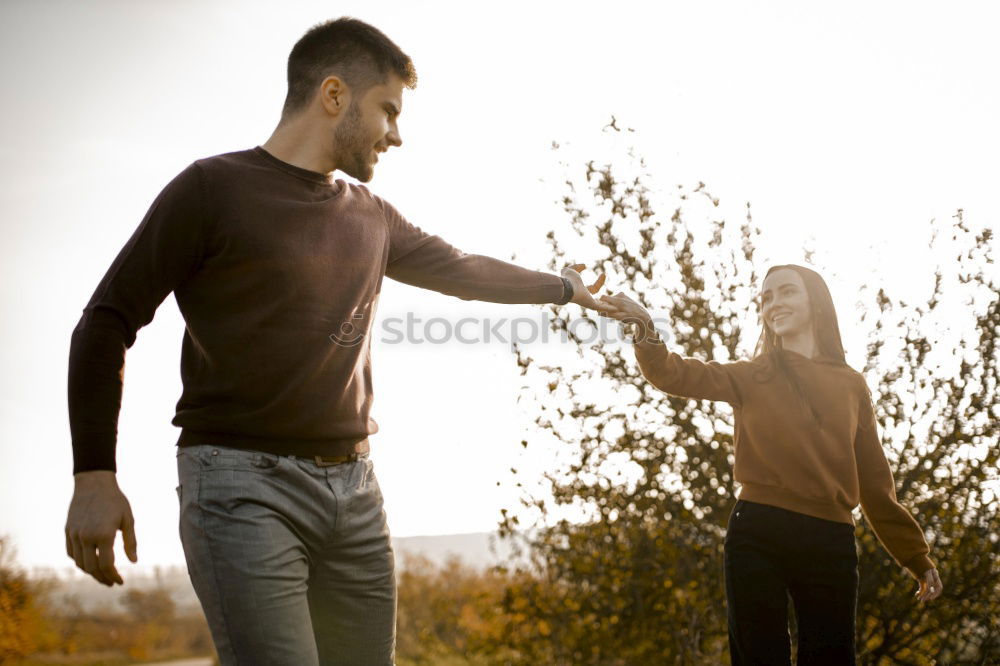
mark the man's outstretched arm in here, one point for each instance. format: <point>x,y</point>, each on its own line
<point>428,261</point>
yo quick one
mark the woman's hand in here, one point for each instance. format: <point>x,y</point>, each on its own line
<point>930,586</point>
<point>637,320</point>
<point>624,309</point>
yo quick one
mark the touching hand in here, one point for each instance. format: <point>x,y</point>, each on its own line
<point>582,294</point>
<point>96,512</point>
<point>930,586</point>
<point>636,319</point>
<point>624,309</point>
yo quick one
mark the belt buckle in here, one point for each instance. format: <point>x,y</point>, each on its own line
<point>335,460</point>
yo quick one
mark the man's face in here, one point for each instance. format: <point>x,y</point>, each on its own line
<point>369,128</point>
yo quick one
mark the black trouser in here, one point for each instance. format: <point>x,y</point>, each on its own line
<point>771,553</point>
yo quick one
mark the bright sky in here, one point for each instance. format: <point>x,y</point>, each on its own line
<point>854,123</point>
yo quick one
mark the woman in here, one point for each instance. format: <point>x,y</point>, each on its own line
<point>807,452</point>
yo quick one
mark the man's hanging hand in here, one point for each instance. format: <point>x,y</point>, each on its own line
<point>97,511</point>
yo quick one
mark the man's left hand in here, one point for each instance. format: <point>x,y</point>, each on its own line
<point>582,294</point>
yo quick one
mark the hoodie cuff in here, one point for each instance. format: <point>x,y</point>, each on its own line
<point>919,565</point>
<point>645,336</point>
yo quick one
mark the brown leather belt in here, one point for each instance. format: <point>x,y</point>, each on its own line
<point>328,461</point>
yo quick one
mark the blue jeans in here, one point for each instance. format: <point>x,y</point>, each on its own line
<point>292,562</point>
<point>772,554</point>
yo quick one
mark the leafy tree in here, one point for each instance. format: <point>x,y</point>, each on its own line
<point>626,540</point>
<point>149,619</point>
<point>22,627</point>
<point>38,625</point>
<point>450,615</point>
<point>934,370</point>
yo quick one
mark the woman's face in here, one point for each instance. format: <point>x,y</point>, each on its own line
<point>785,303</point>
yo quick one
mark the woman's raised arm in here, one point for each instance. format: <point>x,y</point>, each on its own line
<point>670,372</point>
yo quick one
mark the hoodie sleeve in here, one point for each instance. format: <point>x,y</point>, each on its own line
<point>893,525</point>
<point>687,377</point>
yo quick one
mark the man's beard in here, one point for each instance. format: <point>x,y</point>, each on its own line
<point>352,149</point>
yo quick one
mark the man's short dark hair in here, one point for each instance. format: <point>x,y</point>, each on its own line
<point>358,53</point>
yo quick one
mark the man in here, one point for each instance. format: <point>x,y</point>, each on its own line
<point>276,268</point>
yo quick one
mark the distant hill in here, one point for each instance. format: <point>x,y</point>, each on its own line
<point>475,550</point>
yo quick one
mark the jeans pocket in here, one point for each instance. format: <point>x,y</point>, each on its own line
<point>264,460</point>
<point>223,457</point>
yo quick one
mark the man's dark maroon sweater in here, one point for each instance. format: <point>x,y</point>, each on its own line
<point>277,271</point>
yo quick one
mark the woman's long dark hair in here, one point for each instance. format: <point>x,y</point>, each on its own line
<point>823,317</point>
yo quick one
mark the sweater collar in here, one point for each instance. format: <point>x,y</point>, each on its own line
<point>306,174</point>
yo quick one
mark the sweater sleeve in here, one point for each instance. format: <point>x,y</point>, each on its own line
<point>428,261</point>
<point>687,377</point>
<point>893,525</point>
<point>166,248</point>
